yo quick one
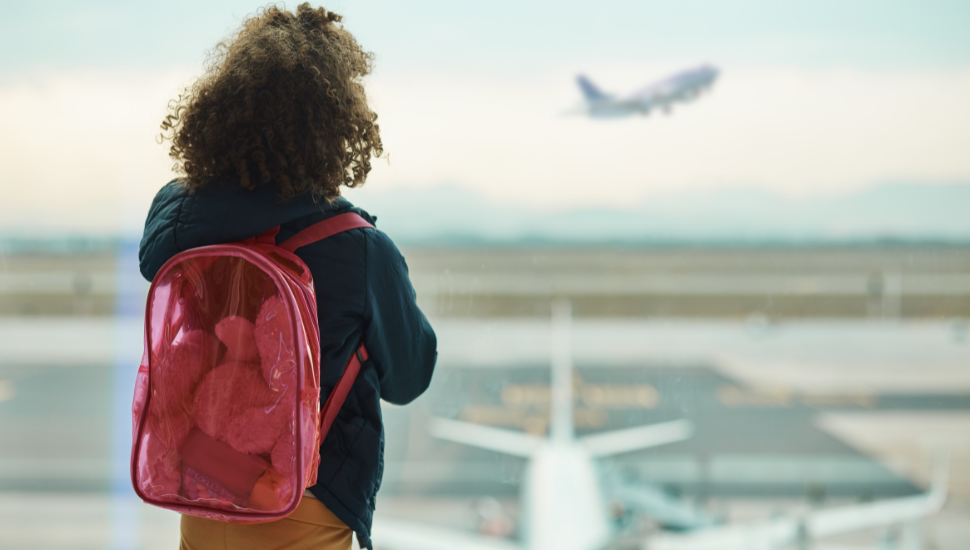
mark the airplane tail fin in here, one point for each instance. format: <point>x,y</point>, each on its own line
<point>561,413</point>
<point>590,91</point>
<point>561,421</point>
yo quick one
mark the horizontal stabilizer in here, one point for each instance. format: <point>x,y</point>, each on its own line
<point>484,437</point>
<point>389,534</point>
<point>634,439</point>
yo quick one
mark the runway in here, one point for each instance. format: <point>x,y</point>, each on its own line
<point>776,407</point>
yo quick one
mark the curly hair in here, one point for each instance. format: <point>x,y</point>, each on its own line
<point>280,102</point>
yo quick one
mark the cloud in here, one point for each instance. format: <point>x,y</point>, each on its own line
<point>797,132</point>
<point>79,151</point>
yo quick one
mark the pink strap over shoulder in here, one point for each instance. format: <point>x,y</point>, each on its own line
<point>339,394</point>
<point>324,229</point>
<point>310,235</point>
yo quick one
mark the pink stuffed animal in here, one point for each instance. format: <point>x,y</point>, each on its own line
<point>179,370</point>
<point>241,401</point>
<point>164,438</point>
<point>171,415</point>
<point>277,358</point>
<point>237,334</point>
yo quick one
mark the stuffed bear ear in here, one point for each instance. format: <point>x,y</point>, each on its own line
<point>273,338</point>
<point>237,334</point>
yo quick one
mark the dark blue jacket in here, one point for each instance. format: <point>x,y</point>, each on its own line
<point>363,293</point>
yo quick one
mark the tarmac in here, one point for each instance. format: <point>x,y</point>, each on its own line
<point>814,377</point>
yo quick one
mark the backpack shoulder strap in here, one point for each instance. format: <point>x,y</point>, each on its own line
<point>339,394</point>
<point>312,234</point>
<point>324,229</point>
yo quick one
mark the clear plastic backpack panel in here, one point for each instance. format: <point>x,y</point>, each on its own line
<point>221,426</point>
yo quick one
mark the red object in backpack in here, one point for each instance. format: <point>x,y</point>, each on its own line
<point>227,423</point>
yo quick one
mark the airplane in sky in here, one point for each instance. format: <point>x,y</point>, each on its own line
<point>683,86</point>
<point>564,501</point>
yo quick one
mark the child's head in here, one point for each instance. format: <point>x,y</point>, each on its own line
<point>280,102</point>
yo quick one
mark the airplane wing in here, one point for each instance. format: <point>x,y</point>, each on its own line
<point>650,93</point>
<point>782,532</point>
<point>679,87</point>
<point>634,439</point>
<point>485,437</point>
<point>853,518</point>
<point>391,534</point>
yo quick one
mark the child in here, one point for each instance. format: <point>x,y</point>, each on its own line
<point>266,137</point>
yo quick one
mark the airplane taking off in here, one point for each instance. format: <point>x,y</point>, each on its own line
<point>683,86</point>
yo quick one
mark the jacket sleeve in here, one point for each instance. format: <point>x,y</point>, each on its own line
<point>400,341</point>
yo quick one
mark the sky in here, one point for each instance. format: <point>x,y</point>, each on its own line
<point>816,99</point>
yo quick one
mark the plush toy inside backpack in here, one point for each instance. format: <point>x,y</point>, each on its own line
<point>221,420</point>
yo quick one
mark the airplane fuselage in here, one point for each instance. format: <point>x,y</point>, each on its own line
<point>680,87</point>
<point>563,505</point>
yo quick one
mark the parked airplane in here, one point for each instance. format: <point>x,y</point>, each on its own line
<point>682,86</point>
<point>563,500</point>
<point>564,497</point>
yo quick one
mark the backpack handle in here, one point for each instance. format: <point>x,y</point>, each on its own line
<point>324,229</point>
<point>267,237</point>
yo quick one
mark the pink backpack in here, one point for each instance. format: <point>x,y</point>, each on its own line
<point>227,422</point>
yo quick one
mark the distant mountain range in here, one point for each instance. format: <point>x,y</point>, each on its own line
<point>451,215</point>
<point>892,212</point>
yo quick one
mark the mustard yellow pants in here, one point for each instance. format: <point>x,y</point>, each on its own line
<point>311,525</point>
